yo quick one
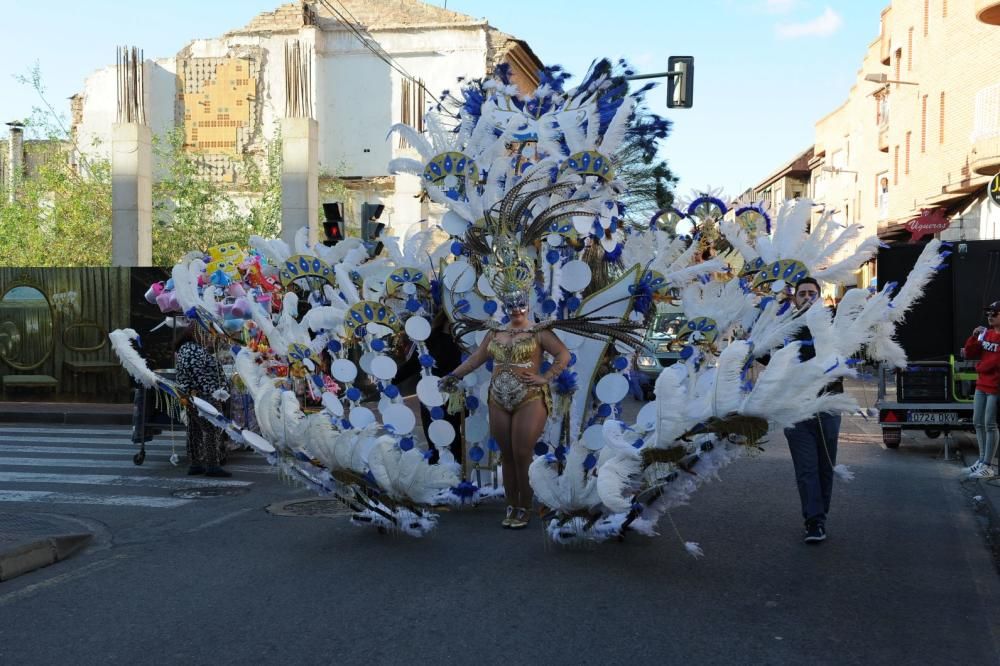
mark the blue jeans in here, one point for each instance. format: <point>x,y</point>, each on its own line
<point>984,418</point>
<point>813,445</point>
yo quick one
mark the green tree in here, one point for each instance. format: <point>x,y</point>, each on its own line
<point>61,212</point>
<point>650,181</point>
<point>194,212</point>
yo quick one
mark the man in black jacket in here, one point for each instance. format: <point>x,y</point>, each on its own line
<point>813,442</point>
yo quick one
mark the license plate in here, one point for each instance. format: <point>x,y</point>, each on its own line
<point>934,417</point>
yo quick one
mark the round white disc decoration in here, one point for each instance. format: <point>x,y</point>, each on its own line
<point>476,428</point>
<point>206,408</point>
<point>257,442</point>
<point>609,244</point>
<point>459,277</point>
<point>555,240</point>
<point>441,432</point>
<point>361,417</point>
<point>400,418</point>
<point>484,287</point>
<point>383,367</point>
<point>612,388</point>
<point>575,275</point>
<point>384,403</point>
<point>365,362</point>
<point>418,328</point>
<point>646,418</point>
<point>343,370</point>
<point>454,223</point>
<point>428,393</point>
<point>471,379</point>
<point>333,404</point>
<point>593,437</point>
<point>409,288</point>
<point>583,223</point>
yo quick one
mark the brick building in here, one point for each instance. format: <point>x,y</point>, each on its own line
<point>920,128</point>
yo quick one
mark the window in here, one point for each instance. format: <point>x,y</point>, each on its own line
<point>941,121</point>
<point>906,164</point>
<point>944,8</point>
<point>927,15</point>
<point>882,195</point>
<point>895,166</point>
<point>899,61</point>
<point>923,124</point>
<point>909,49</point>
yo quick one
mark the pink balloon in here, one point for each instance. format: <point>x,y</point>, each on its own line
<point>236,290</point>
<point>163,300</point>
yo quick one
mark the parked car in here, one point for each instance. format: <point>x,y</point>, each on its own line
<point>662,346</point>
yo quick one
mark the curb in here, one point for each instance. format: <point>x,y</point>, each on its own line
<point>41,553</point>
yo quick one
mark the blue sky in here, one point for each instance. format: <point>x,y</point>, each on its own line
<point>765,70</point>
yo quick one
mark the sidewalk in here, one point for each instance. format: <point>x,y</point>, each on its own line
<point>29,542</point>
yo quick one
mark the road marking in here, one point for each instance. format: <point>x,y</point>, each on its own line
<point>122,464</point>
<point>221,519</point>
<point>71,450</point>
<point>169,483</point>
<point>87,440</point>
<point>52,497</point>
<point>123,432</point>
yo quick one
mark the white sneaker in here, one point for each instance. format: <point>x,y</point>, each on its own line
<point>973,467</point>
<point>983,472</point>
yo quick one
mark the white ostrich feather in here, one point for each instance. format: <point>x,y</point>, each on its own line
<point>728,393</point>
<point>417,140</point>
<point>775,324</point>
<point>274,250</point>
<point>135,365</point>
<point>922,273</point>
<point>614,135</point>
<point>408,165</point>
<point>617,480</point>
<point>346,286</point>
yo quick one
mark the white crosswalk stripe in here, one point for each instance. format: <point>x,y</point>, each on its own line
<point>93,465</point>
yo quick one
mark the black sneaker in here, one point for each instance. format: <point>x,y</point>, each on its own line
<point>194,470</point>
<point>815,532</point>
<point>218,472</point>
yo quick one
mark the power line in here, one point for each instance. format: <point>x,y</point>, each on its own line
<point>356,28</point>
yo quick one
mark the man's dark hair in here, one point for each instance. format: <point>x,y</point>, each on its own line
<point>807,280</point>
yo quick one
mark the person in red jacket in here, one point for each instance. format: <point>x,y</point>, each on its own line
<point>984,344</point>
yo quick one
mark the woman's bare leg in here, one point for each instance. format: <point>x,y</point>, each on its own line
<point>527,425</point>
<point>500,430</point>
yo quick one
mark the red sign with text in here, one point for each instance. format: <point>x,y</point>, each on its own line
<point>930,222</point>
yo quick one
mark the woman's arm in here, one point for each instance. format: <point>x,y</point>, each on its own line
<point>560,354</point>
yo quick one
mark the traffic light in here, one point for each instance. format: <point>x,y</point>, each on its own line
<point>680,82</point>
<point>371,228</point>
<point>333,224</point>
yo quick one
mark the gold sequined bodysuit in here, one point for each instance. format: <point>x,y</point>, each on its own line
<point>507,391</point>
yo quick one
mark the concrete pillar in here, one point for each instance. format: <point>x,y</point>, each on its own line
<point>299,178</point>
<point>15,159</point>
<point>131,195</point>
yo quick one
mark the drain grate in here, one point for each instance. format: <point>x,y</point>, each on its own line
<point>310,508</point>
<point>211,491</point>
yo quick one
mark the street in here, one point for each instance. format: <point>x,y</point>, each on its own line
<point>905,575</point>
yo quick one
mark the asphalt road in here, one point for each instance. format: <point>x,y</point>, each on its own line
<point>905,577</point>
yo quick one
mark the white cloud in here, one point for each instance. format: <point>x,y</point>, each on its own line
<point>824,25</point>
<point>780,6</point>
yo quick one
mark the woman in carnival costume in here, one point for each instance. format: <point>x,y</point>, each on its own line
<point>519,397</point>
